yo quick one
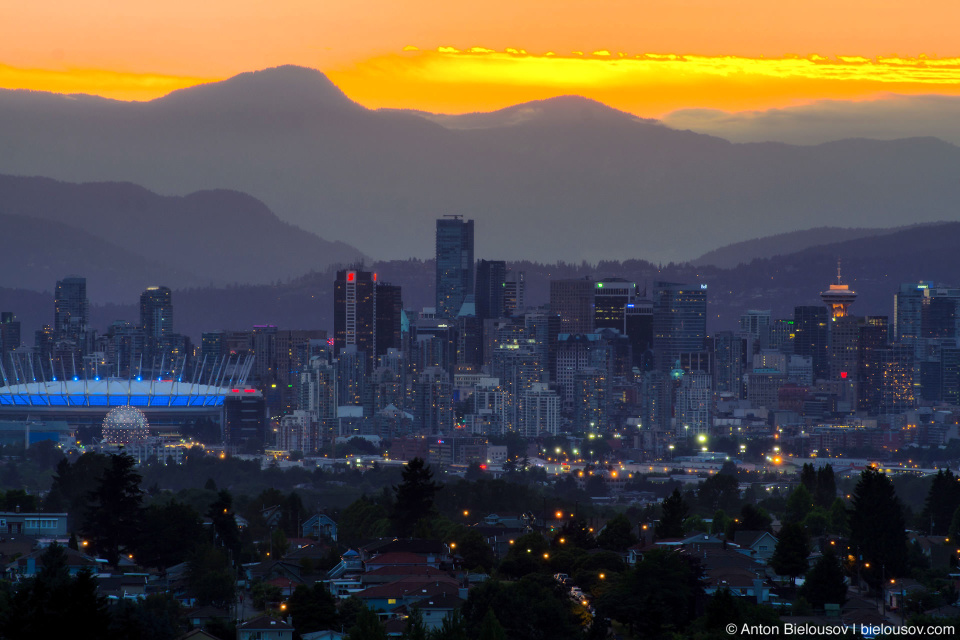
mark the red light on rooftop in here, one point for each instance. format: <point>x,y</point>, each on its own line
<point>374,276</point>
<point>249,390</point>
<point>234,390</point>
<point>351,275</point>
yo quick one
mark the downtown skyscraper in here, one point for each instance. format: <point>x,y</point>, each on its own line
<point>454,264</point>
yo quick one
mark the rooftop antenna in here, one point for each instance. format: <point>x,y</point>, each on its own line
<point>838,271</point>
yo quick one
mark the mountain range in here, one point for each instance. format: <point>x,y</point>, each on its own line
<point>561,179</point>
<point>123,238</point>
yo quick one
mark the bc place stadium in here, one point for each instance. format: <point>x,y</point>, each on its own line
<point>168,402</point>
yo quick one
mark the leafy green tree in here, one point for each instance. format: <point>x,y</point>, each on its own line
<point>115,516</point>
<point>808,478</point>
<point>169,533</point>
<point>157,617</point>
<point>54,604</point>
<point>453,627</point>
<point>292,513</point>
<point>839,518</point>
<point>817,522</point>
<point>225,531</point>
<point>799,504</point>
<point>955,525</point>
<point>362,519</point>
<point>575,532</point>
<point>533,608</point>
<point>414,496</point>
<point>877,527</point>
<point>729,468</point>
<point>824,583</point>
<point>617,535</point>
<point>724,608</point>
<point>790,556</point>
<point>221,628</point>
<point>595,486</point>
<point>674,512</point>
<point>659,596</point>
<point>720,522</point>
<point>694,523</point>
<point>826,491</point>
<point>416,629</point>
<point>490,628</point>
<point>73,484</point>
<point>942,500</point>
<point>588,569</point>
<point>20,500</point>
<point>278,544</point>
<point>720,491</point>
<point>349,611</point>
<point>263,593</point>
<point>525,556</point>
<point>367,627</point>
<point>312,609</point>
<point>475,551</point>
<point>754,518</point>
<point>210,576</point>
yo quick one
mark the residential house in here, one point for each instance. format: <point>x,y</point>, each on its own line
<point>45,525</point>
<point>272,515</point>
<point>124,586</point>
<point>385,598</point>
<point>320,526</point>
<point>197,634</point>
<point>401,559</point>
<point>28,566</point>
<point>759,545</point>
<point>265,628</point>
<point>436,609</point>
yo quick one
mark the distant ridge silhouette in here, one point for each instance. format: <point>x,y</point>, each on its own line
<point>565,178</point>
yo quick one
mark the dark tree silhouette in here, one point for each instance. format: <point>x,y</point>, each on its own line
<point>942,500</point>
<point>826,487</point>
<point>824,583</point>
<point>115,515</point>
<point>674,512</point>
<point>790,556</point>
<point>414,496</point>
<point>617,535</point>
<point>877,528</point>
<point>53,604</point>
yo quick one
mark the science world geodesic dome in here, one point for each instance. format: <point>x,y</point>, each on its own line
<point>125,425</point>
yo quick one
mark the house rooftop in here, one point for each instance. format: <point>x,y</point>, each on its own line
<point>265,623</point>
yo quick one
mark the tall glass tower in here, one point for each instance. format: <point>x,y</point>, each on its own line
<point>71,308</point>
<point>454,264</point>
<point>679,321</point>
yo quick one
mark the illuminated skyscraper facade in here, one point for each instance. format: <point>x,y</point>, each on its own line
<point>454,264</point>
<point>679,321</point>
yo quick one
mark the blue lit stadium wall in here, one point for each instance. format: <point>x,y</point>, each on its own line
<point>166,403</point>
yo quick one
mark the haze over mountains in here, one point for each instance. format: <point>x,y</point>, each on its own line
<point>123,237</point>
<point>562,179</point>
<point>874,266</point>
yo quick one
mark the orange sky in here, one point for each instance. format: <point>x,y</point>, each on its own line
<point>738,54</point>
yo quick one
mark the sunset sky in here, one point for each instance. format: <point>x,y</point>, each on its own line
<point>649,57</point>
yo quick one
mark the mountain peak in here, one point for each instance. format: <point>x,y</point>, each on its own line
<point>567,109</point>
<point>285,85</point>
